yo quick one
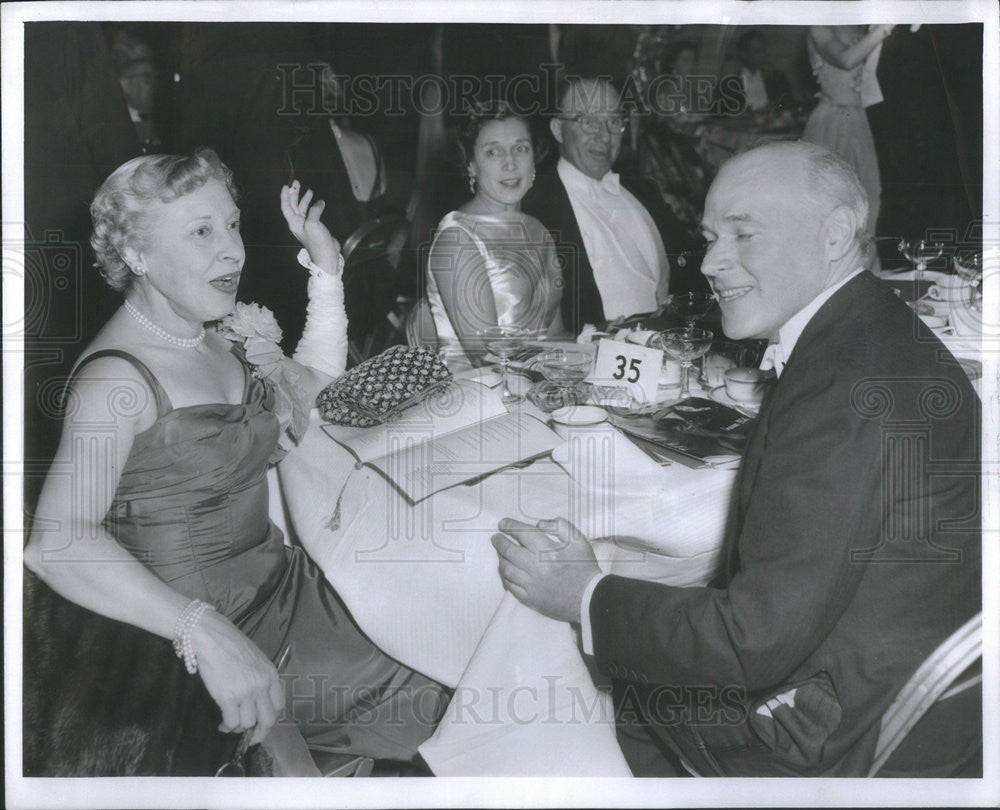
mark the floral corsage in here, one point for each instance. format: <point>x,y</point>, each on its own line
<point>256,328</point>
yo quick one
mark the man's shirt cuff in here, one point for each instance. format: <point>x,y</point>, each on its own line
<point>586,634</point>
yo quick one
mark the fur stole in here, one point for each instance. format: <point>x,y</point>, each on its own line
<point>103,698</point>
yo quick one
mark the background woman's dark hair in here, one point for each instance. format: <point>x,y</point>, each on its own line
<point>672,50</point>
<point>481,114</point>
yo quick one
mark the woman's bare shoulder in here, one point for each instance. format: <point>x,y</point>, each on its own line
<point>108,378</point>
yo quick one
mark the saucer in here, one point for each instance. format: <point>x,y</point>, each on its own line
<point>972,368</point>
<point>579,415</point>
<point>934,321</point>
<point>719,395</point>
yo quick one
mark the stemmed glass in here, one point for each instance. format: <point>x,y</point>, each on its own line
<point>919,254</point>
<point>685,344</point>
<point>565,371</point>
<point>969,267</point>
<point>690,306</point>
<point>504,342</point>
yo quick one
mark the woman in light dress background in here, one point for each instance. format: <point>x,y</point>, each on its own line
<point>837,54</point>
<point>490,264</point>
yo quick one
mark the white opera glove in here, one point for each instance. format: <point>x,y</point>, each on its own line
<point>323,344</point>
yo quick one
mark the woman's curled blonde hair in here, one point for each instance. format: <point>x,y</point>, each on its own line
<point>119,207</point>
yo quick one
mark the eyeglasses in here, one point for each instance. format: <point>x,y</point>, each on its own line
<point>591,124</point>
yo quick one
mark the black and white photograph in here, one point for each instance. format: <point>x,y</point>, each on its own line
<point>519,404</point>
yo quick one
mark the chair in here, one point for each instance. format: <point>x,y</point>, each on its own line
<point>934,680</point>
<point>419,326</point>
<point>372,256</point>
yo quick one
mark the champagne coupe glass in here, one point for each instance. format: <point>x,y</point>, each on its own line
<point>690,306</point>
<point>969,267</point>
<point>919,254</point>
<point>504,342</point>
<point>565,371</point>
<point>684,344</point>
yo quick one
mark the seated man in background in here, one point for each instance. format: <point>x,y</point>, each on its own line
<point>614,240</point>
<point>850,554</point>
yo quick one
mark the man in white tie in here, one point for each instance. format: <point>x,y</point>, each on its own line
<point>613,241</point>
<point>854,544</point>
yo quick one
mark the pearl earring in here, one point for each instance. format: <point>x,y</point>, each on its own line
<point>138,270</point>
<point>472,184</point>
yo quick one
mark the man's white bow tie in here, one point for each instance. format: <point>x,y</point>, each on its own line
<point>610,183</point>
<point>774,357</point>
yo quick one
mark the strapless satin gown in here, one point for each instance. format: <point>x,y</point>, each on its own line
<point>192,505</point>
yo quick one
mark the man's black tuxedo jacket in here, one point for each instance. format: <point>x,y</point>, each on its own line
<point>549,203</point>
<point>852,550</point>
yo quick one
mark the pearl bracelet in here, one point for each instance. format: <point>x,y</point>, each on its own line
<point>182,633</point>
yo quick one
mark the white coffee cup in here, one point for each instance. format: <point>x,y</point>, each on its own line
<point>950,288</point>
<point>670,372</point>
<point>748,384</point>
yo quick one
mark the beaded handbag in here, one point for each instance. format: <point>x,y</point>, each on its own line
<point>383,386</point>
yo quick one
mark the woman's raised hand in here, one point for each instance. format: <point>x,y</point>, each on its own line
<point>304,223</point>
<point>238,676</point>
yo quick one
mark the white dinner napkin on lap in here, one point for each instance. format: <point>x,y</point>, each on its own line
<point>526,706</point>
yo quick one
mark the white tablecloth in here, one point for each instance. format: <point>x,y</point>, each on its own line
<point>421,581</point>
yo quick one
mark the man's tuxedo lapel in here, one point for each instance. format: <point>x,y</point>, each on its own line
<point>833,314</point>
<point>549,203</point>
<point>745,483</point>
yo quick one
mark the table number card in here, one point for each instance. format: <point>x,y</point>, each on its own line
<point>627,365</point>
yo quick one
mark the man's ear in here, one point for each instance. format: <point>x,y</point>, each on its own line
<point>839,232</point>
<point>555,127</point>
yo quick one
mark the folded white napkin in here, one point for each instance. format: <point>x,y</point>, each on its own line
<point>526,706</point>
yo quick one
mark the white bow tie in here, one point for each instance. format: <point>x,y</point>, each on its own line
<point>774,357</point>
<point>610,183</point>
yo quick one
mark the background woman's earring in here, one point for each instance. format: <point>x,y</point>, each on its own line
<point>138,270</point>
<point>472,184</point>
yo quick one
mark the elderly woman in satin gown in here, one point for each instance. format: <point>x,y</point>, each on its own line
<point>155,513</point>
<point>490,264</point>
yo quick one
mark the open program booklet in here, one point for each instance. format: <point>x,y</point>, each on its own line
<point>452,437</point>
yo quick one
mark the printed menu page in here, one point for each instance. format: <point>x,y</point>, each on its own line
<point>458,435</point>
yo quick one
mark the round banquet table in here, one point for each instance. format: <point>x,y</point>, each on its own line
<point>421,581</point>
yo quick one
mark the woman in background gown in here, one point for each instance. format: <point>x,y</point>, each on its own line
<point>489,263</point>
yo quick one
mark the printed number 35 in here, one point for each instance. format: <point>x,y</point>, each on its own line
<point>633,368</point>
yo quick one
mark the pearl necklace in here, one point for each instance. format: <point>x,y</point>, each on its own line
<point>184,343</point>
